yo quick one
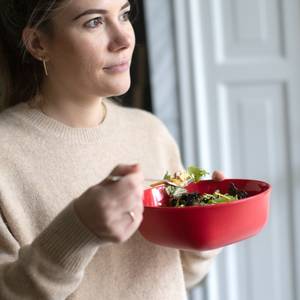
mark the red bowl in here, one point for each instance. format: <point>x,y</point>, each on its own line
<point>206,227</point>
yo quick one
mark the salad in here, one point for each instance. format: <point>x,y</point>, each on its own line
<point>180,197</point>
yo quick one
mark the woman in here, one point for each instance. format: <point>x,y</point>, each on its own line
<point>67,229</point>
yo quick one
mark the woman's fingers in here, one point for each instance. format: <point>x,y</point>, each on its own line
<point>113,209</point>
<point>125,226</point>
<point>133,218</point>
<point>127,191</point>
<point>122,170</point>
<point>218,175</point>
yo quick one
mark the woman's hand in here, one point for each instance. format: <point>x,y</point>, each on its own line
<point>218,175</point>
<point>113,210</point>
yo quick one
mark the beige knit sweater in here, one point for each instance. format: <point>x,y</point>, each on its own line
<point>45,251</point>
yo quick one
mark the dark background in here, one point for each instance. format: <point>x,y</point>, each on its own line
<point>139,94</point>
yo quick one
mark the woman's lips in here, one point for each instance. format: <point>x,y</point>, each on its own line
<point>119,68</point>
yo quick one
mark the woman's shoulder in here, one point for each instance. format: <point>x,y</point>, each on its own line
<point>147,126</point>
<point>140,118</point>
<point>9,124</point>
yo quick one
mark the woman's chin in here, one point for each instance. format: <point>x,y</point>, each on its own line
<point>119,90</point>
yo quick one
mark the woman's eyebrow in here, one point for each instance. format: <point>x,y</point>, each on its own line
<point>97,11</point>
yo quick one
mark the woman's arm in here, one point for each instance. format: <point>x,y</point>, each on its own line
<point>51,267</point>
<point>196,265</point>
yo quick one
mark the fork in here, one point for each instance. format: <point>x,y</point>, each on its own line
<point>114,178</point>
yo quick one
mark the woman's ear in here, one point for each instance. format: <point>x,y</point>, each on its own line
<point>35,43</point>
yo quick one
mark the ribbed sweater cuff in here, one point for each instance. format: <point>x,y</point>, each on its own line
<point>204,255</point>
<point>66,242</point>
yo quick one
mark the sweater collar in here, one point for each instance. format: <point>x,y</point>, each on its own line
<point>74,135</point>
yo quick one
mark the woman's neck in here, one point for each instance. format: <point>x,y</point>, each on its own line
<point>74,114</point>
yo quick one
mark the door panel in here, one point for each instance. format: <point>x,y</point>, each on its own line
<point>247,29</point>
<point>238,81</point>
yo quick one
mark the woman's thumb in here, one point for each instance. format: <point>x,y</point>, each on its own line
<point>122,170</point>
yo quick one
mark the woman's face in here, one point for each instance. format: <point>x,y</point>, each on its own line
<point>91,47</point>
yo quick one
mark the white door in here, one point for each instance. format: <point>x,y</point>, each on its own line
<point>238,65</point>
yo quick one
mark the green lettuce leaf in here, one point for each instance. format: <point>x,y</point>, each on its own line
<point>196,173</point>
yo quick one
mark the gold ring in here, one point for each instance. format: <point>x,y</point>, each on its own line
<point>113,178</point>
<point>132,215</point>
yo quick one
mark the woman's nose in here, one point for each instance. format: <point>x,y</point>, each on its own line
<point>121,39</point>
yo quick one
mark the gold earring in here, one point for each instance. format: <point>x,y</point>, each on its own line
<point>45,67</point>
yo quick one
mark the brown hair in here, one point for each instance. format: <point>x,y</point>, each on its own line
<point>21,74</point>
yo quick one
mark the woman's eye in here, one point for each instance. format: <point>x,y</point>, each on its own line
<point>126,16</point>
<point>94,22</point>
